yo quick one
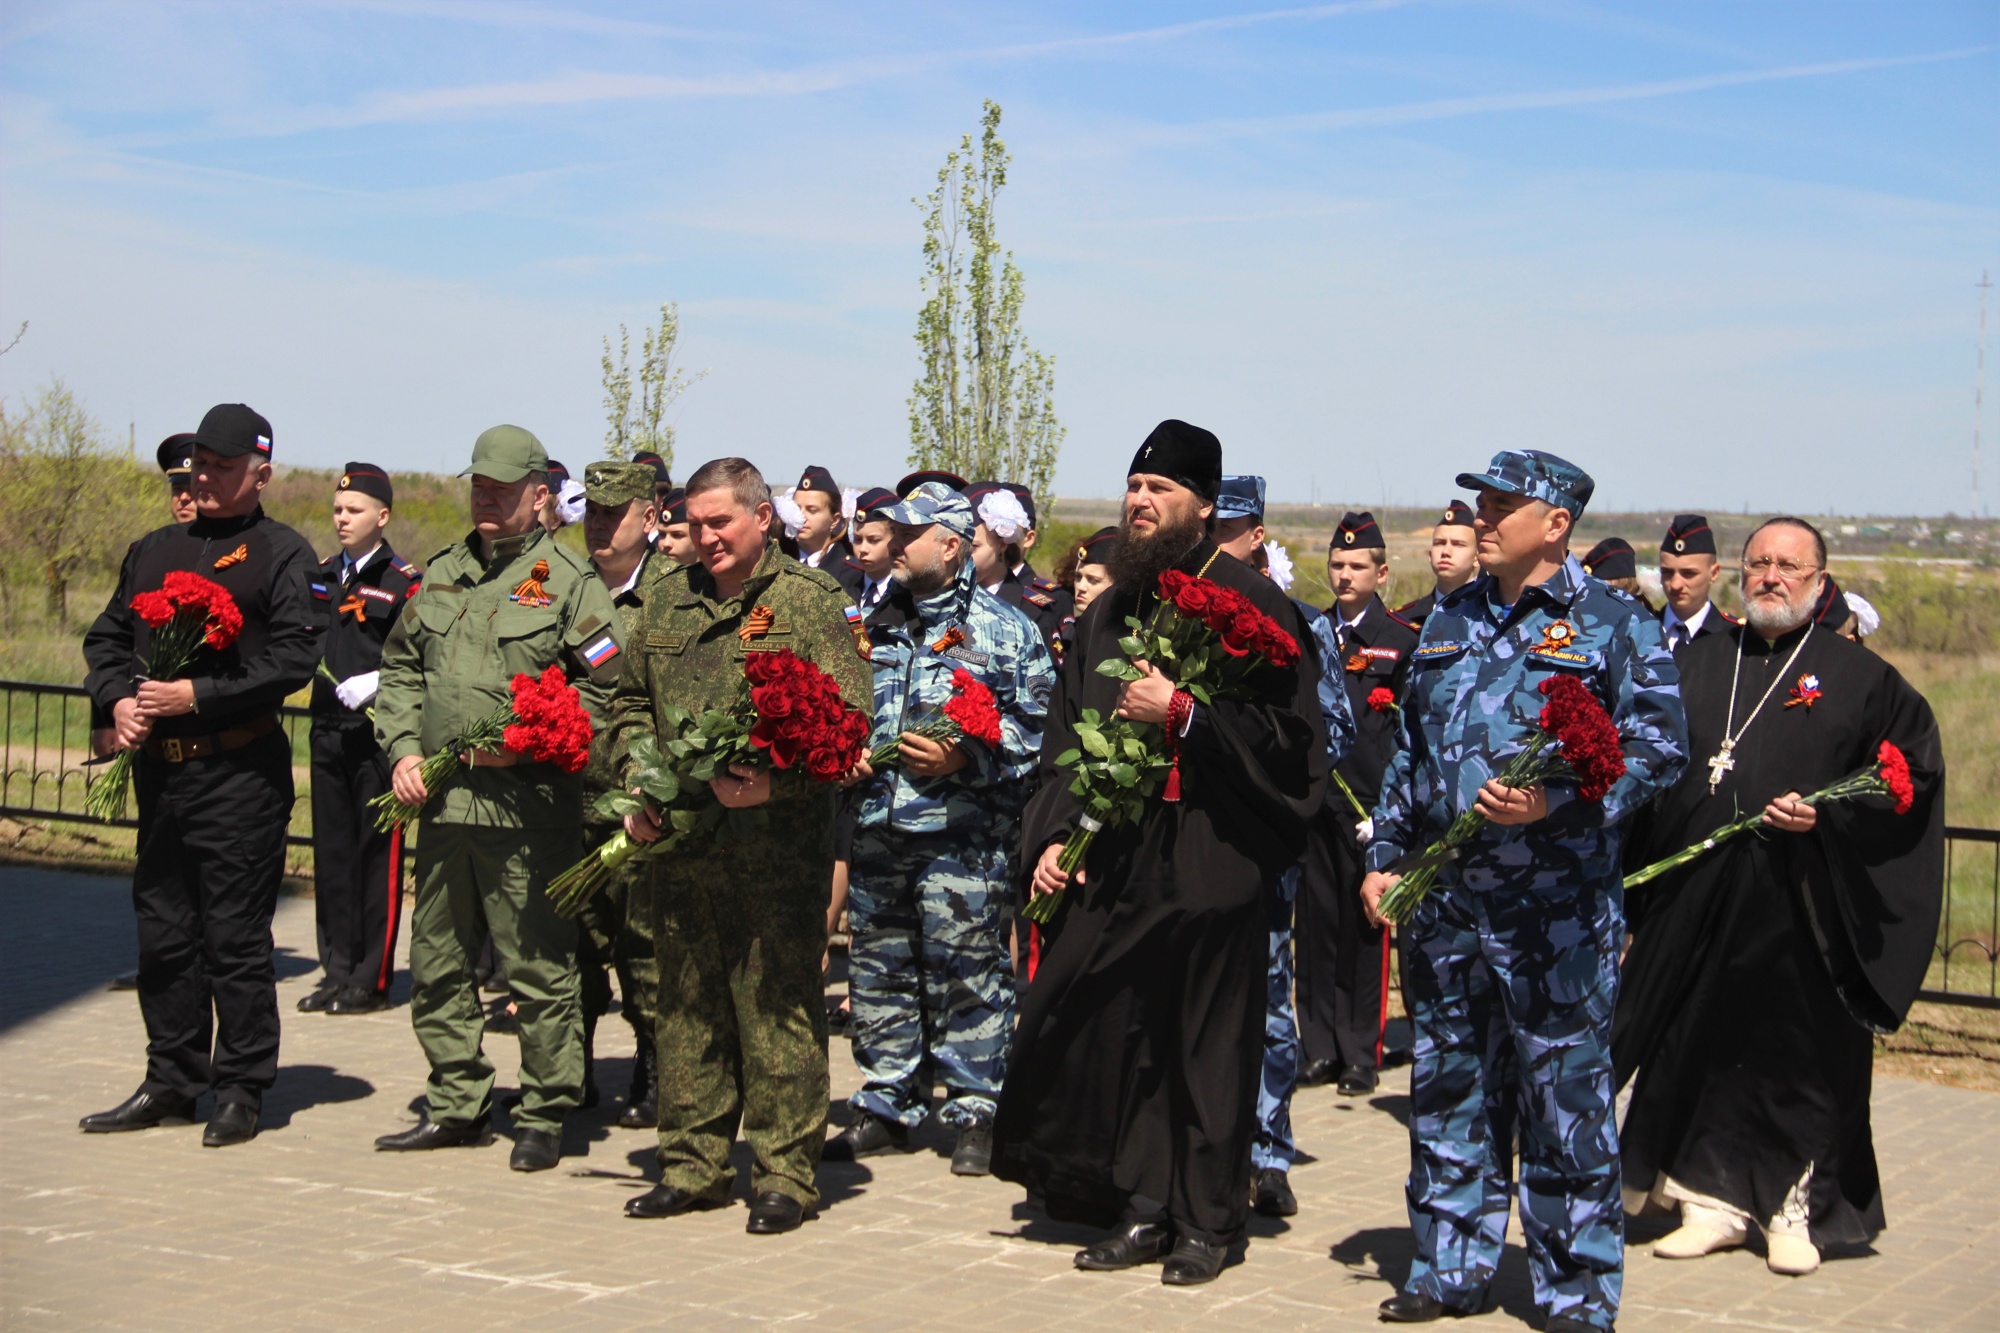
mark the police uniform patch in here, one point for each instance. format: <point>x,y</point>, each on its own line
<point>1431,652</point>
<point>377,594</point>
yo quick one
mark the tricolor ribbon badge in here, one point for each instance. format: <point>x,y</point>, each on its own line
<point>1805,692</point>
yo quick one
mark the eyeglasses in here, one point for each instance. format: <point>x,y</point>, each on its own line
<point>1791,571</point>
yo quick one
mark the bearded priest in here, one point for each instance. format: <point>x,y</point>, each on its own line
<point>1761,971</point>
<point>1131,1096</point>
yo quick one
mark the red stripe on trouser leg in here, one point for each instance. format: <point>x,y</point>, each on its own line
<point>394,916</point>
<point>1382,1021</point>
<point>1034,949</point>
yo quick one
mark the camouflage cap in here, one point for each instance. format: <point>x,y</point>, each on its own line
<point>1537,475</point>
<point>933,502</point>
<point>617,483</point>
<point>507,454</point>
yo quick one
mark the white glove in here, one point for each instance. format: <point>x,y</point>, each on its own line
<point>1364,832</point>
<point>355,692</point>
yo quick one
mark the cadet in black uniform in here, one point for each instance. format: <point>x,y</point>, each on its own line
<point>357,869</point>
<point>1454,557</point>
<point>1063,603</point>
<point>214,783</point>
<point>1343,962</point>
<point>822,543</point>
<point>1688,570</point>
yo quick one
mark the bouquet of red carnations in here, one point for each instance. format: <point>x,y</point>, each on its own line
<point>1576,740</point>
<point>1209,640</point>
<point>544,722</point>
<point>971,711</point>
<point>790,715</point>
<point>186,614</point>
<point>1888,776</point>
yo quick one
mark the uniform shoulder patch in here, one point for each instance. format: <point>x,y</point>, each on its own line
<point>1397,616</point>
<point>405,568</point>
<point>1040,599</point>
<point>439,555</point>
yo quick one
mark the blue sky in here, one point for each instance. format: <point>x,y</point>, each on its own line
<point>1719,254</point>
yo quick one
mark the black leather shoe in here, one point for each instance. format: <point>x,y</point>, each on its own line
<point>974,1154</point>
<point>1356,1081</point>
<point>867,1136</point>
<point>430,1134</point>
<point>1271,1193</point>
<point>142,1110</point>
<point>666,1201</point>
<point>233,1122</point>
<point>356,1000</point>
<point>536,1150</point>
<point>773,1214</point>
<point>1140,1243</point>
<point>1193,1262</point>
<point>1319,1072</point>
<point>1409,1307</point>
<point>317,1001</point>
<point>642,1099</point>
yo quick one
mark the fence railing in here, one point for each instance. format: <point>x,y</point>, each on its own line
<point>45,743</point>
<point>1966,968</point>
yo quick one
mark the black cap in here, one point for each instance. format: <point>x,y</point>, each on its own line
<point>662,475</point>
<point>1831,609</point>
<point>875,497</point>
<point>232,429</point>
<point>1688,534</point>
<point>558,474</point>
<point>1026,497</point>
<point>817,478</point>
<point>916,479</point>
<point>979,490</point>
<point>1097,547</point>
<point>674,509</point>
<point>368,480</point>
<point>1183,453</point>
<point>1357,532</point>
<point>1457,514</point>
<point>176,455</point>
<point>1612,558</point>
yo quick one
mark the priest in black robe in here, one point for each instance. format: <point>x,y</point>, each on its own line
<point>1131,1094</point>
<point>1760,972</point>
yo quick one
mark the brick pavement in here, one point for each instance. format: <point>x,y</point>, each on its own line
<point>307,1227</point>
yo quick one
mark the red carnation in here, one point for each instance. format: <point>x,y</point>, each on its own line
<point>1590,741</point>
<point>1896,776</point>
<point>1381,698</point>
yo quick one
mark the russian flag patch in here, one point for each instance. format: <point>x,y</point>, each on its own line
<point>600,650</point>
<point>319,591</point>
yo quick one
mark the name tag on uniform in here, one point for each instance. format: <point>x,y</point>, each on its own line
<point>1383,654</point>
<point>1433,652</point>
<point>958,652</point>
<point>671,643</point>
<point>1564,656</point>
<point>377,594</point>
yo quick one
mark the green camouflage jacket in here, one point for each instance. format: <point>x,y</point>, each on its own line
<point>456,649</point>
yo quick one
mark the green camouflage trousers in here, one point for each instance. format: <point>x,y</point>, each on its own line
<point>472,879</point>
<point>615,931</point>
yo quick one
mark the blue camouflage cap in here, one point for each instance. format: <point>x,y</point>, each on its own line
<point>1537,475</point>
<point>1240,497</point>
<point>933,502</point>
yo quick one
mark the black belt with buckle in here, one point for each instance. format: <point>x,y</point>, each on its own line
<point>180,749</point>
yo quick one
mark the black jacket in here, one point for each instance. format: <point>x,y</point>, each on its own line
<point>1374,654</point>
<point>358,616</point>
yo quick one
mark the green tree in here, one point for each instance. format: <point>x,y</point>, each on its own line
<point>984,404</point>
<point>638,424</point>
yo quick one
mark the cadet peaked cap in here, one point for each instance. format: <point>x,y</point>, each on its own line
<point>674,508</point>
<point>1240,497</point>
<point>817,478</point>
<point>1537,475</point>
<point>1097,547</point>
<point>1457,514</point>
<point>176,455</point>
<point>1688,534</point>
<point>507,453</point>
<point>233,429</point>
<point>1182,453</point>
<point>916,479</point>
<point>1831,610</point>
<point>662,474</point>
<point>1025,496</point>
<point>617,483</point>
<point>1612,558</point>
<point>367,479</point>
<point>558,474</point>
<point>1357,532</point>
<point>872,499</point>
<point>934,502</point>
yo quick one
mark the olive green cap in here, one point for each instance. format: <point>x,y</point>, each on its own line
<point>507,453</point>
<point>617,483</point>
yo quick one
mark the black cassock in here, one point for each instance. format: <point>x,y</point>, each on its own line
<point>1131,1091</point>
<point>1759,973</point>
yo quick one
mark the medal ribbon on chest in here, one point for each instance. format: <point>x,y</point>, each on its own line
<point>353,606</point>
<point>948,640</point>
<point>235,557</point>
<point>1806,692</point>
<point>1556,637</point>
<point>529,591</point>
<point>757,624</point>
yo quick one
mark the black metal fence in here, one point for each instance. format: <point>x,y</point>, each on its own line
<point>1966,969</point>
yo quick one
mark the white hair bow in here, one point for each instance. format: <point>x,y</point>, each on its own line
<point>1281,565</point>
<point>1003,515</point>
<point>850,496</point>
<point>788,512</point>
<point>1866,618</point>
<point>569,501</point>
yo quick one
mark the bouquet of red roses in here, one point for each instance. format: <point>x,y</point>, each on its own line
<point>1209,640</point>
<point>544,722</point>
<point>971,711</point>
<point>790,715</point>
<point>186,614</point>
<point>1576,740</point>
<point>1888,776</point>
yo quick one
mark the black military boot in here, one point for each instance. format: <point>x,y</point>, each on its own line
<point>869,1135</point>
<point>642,1099</point>
<point>974,1154</point>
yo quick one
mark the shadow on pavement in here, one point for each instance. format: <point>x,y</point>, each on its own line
<point>66,935</point>
<point>302,1087</point>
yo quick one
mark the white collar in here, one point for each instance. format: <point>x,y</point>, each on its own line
<point>1693,627</point>
<point>350,564</point>
<point>630,579</point>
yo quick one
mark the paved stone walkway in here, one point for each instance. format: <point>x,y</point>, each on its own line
<point>308,1228</point>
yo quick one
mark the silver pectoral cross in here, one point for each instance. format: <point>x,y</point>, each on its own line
<point>1719,766</point>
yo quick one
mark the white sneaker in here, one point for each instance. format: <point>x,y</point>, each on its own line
<point>1693,1240</point>
<point>1793,1256</point>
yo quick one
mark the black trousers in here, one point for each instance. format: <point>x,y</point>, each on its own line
<point>357,870</point>
<point>211,858</point>
<point>1343,962</point>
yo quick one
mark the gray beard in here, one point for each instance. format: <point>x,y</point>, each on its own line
<point>1138,562</point>
<point>1776,622</point>
<point>921,583</point>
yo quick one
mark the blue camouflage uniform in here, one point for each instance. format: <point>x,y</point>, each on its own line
<point>930,980</point>
<point>1512,963</point>
<point>1273,1146</point>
